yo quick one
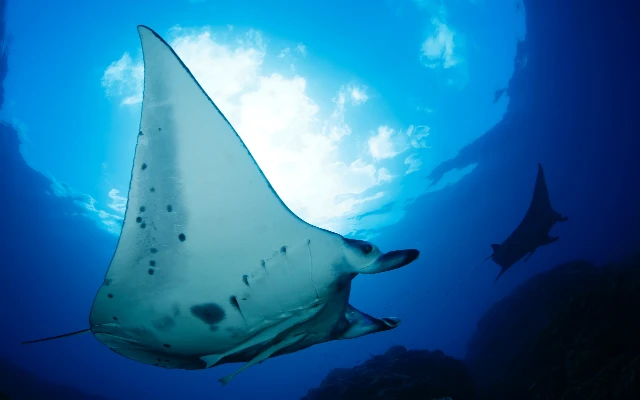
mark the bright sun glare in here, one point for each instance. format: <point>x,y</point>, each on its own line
<point>351,181</point>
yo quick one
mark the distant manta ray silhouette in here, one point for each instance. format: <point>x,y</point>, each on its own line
<point>531,233</point>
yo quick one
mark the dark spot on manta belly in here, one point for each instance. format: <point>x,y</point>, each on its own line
<point>152,263</point>
<point>143,225</point>
<point>140,133</point>
<point>138,219</point>
<point>209,313</point>
<point>151,271</point>
<point>182,237</point>
<point>109,295</point>
<point>169,208</point>
<point>167,345</point>
<point>153,189</point>
<point>234,302</point>
<point>165,323</point>
<point>245,279</point>
<point>142,208</point>
<point>115,318</point>
<point>153,250</point>
<point>283,249</point>
<point>144,166</point>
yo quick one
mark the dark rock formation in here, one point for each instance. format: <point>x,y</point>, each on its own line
<point>4,52</point>
<point>398,374</point>
<point>26,203</point>
<point>569,333</point>
<point>569,110</point>
<point>559,92</point>
<point>19,384</point>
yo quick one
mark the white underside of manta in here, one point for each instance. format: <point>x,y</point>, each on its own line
<point>211,266</point>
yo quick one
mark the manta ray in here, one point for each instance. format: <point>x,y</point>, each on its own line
<point>211,266</point>
<point>533,230</point>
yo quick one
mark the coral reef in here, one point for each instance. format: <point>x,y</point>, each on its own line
<point>398,374</point>
<point>569,333</point>
<point>17,383</point>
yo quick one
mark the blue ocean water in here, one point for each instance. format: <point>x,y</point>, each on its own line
<point>572,101</point>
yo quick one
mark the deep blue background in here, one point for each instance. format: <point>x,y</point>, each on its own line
<point>573,108</point>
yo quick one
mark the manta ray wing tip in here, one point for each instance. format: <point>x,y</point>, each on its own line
<point>143,29</point>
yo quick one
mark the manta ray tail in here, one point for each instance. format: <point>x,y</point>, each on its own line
<point>56,337</point>
<point>502,271</point>
<point>468,273</point>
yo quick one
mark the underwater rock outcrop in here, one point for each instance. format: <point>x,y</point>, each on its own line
<point>568,333</point>
<point>17,383</point>
<point>398,374</point>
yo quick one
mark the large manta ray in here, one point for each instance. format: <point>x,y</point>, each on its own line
<point>533,230</point>
<point>211,266</point>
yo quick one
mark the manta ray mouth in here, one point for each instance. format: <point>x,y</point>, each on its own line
<point>398,258</point>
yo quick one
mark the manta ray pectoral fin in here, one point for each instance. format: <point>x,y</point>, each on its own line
<point>201,218</point>
<point>361,324</point>
<point>266,353</point>
<point>56,337</point>
<point>495,247</point>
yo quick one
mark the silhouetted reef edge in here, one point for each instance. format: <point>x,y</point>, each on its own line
<point>17,383</point>
<point>398,374</point>
<point>567,333</point>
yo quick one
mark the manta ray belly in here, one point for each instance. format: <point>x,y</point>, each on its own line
<point>210,315</point>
